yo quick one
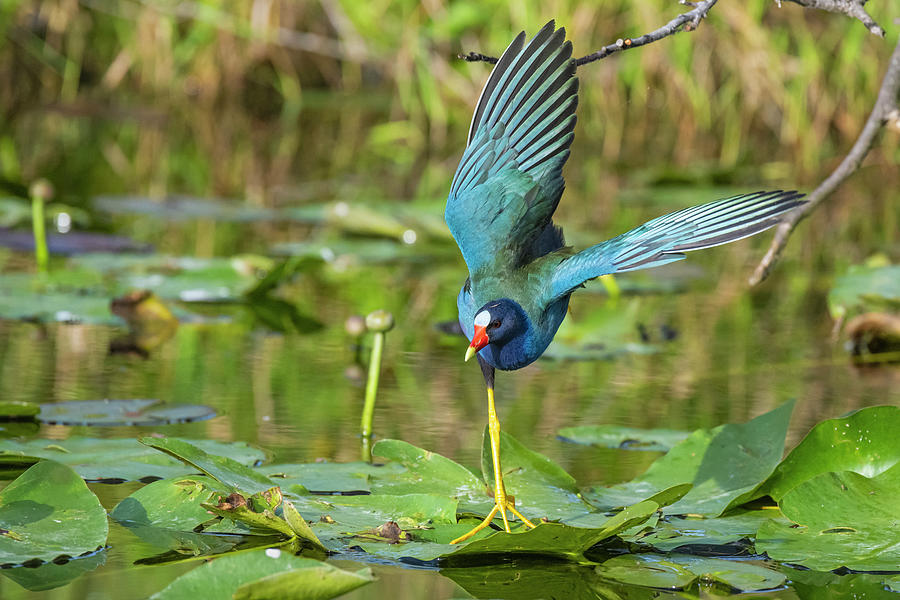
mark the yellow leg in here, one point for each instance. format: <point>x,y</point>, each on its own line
<point>502,502</point>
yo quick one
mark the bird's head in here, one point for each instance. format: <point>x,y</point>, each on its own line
<point>497,323</point>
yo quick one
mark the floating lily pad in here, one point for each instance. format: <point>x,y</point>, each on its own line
<point>48,512</point>
<point>818,585</point>
<point>865,288</point>
<point>726,464</point>
<point>136,411</point>
<point>330,477</point>
<point>846,520</point>
<point>226,470</point>
<point>12,409</point>
<point>676,572</point>
<point>680,532</point>
<point>51,575</point>
<point>353,514</point>
<point>174,504</point>
<point>557,580</point>
<point>624,438</point>
<point>865,441</point>
<point>270,574</point>
<point>608,331</point>
<point>181,208</point>
<point>424,469</point>
<point>115,460</point>
<point>67,297</point>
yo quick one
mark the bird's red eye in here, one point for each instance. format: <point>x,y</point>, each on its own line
<point>494,325</point>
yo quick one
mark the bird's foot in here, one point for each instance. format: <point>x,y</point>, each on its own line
<point>503,503</point>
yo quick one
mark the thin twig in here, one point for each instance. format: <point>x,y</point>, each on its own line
<point>852,8</point>
<point>688,21</point>
<point>887,109</point>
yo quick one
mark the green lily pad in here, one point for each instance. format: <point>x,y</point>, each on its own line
<point>74,296</point>
<point>12,409</point>
<point>352,514</point>
<point>677,532</point>
<point>424,469</point>
<point>330,477</point>
<point>51,575</point>
<point>607,332</point>
<point>865,288</point>
<point>180,208</point>
<point>49,512</point>
<point>865,441</point>
<point>174,504</point>
<point>624,438</point>
<point>846,520</point>
<point>818,585</point>
<point>676,572</point>
<point>258,574</point>
<point>227,471</point>
<point>115,460</point>
<point>541,487</point>
<point>126,412</point>
<point>726,464</point>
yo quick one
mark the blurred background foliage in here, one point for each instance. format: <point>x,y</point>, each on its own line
<point>276,102</point>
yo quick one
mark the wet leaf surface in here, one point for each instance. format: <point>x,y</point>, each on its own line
<point>865,441</point>
<point>226,470</point>
<point>125,412</point>
<point>726,464</point>
<point>680,571</point>
<point>271,574</point>
<point>846,520</point>
<point>48,512</point>
<point>865,288</point>
<point>116,459</point>
<point>624,438</point>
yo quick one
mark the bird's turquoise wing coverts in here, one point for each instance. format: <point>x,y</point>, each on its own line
<point>509,180</point>
<point>666,238</point>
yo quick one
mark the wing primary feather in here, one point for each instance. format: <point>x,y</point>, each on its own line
<point>511,52</point>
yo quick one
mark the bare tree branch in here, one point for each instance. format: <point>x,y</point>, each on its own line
<point>688,21</point>
<point>886,110</point>
<point>852,8</point>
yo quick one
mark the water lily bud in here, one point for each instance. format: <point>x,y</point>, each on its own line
<point>41,188</point>
<point>380,321</point>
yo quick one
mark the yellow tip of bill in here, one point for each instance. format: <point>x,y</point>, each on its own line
<point>470,352</point>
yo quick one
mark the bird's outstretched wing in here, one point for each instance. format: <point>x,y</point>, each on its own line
<point>665,239</point>
<point>509,180</point>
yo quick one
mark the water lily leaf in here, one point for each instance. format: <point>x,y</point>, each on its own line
<point>677,532</point>
<point>679,571</point>
<point>865,288</point>
<point>174,504</point>
<point>124,412</point>
<point>541,487</point>
<point>847,520</point>
<point>865,441</point>
<point>48,512</point>
<point>636,514</point>
<point>75,296</point>
<point>817,585</point>
<point>608,331</point>
<point>624,438</point>
<point>353,514</point>
<point>116,460</point>
<point>228,471</point>
<point>181,208</point>
<point>330,477</point>
<point>12,409</point>
<point>234,576</point>
<point>726,464</point>
<point>547,539</point>
<point>424,470</point>
<point>51,575</point>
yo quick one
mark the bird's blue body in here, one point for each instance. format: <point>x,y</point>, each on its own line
<point>508,185</point>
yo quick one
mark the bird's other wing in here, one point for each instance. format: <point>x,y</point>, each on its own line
<point>509,180</point>
<point>665,239</point>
